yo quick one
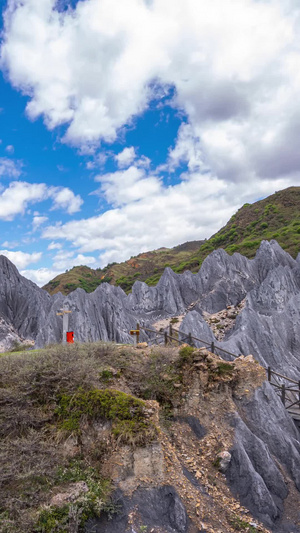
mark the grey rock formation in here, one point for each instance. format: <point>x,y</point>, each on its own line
<point>196,325</point>
<point>156,508</point>
<point>225,280</point>
<point>8,335</point>
<point>32,311</point>
<point>171,296</point>
<point>266,445</point>
<point>268,326</point>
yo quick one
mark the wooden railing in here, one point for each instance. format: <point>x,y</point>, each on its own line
<point>289,394</point>
<point>186,338</point>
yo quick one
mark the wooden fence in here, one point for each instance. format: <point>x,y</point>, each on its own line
<point>288,389</point>
<point>183,338</point>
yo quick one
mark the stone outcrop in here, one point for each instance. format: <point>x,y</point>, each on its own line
<point>9,338</point>
<point>265,456</point>
<point>157,509</point>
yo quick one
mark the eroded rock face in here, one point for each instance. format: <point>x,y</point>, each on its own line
<point>267,326</point>
<point>8,335</point>
<point>160,509</point>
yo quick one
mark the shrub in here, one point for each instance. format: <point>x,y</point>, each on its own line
<point>185,355</point>
<point>106,375</point>
<point>87,505</point>
<point>241,525</point>
<point>53,519</point>
<point>18,347</point>
<point>224,368</point>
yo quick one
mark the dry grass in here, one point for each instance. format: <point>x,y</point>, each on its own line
<point>31,387</point>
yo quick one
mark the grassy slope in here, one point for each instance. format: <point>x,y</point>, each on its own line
<point>276,217</point>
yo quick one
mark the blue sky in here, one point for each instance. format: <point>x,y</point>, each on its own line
<point>129,126</point>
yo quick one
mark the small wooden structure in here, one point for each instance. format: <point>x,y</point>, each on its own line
<point>65,312</point>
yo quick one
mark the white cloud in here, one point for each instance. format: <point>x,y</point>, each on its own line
<point>64,260</point>
<point>124,186</point>
<point>9,168</point>
<point>37,221</point>
<point>65,199</point>
<point>126,157</point>
<point>21,259</point>
<point>9,149</point>
<point>15,198</point>
<point>98,161</point>
<point>18,195</point>
<point>234,66</point>
<point>187,150</point>
<point>54,246</point>
<point>40,276</point>
<point>10,244</point>
<point>194,209</point>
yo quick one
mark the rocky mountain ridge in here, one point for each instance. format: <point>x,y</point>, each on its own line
<point>275,217</point>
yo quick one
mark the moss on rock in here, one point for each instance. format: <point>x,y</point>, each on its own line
<point>130,422</point>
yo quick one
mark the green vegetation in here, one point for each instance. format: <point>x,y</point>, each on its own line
<point>276,217</point>
<point>53,519</point>
<point>242,525</point>
<point>185,355</point>
<point>106,375</point>
<point>224,368</point>
<point>62,428</point>
<point>58,398</point>
<point>129,422</point>
<point>53,284</point>
<point>92,501</point>
<point>18,347</point>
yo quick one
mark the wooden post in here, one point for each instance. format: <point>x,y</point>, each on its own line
<point>283,394</point>
<point>269,373</point>
<point>138,334</point>
<point>190,339</point>
<point>212,349</point>
<point>170,330</point>
<point>166,338</point>
<point>64,312</point>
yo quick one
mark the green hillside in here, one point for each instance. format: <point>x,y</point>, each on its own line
<point>123,274</point>
<point>276,217</point>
